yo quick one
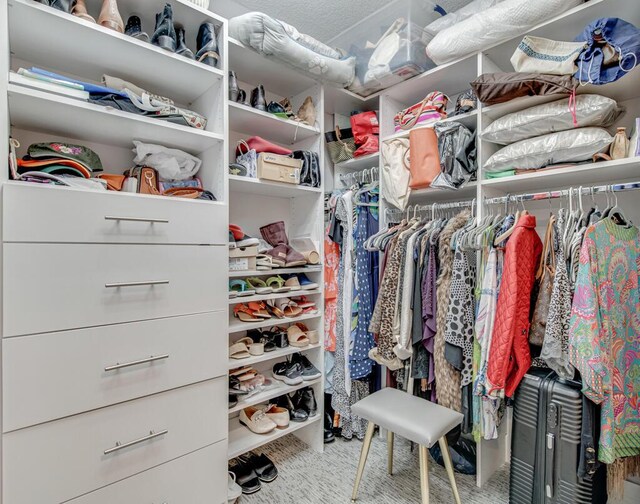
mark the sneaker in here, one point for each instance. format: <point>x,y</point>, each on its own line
<point>309,371</point>
<point>232,241</point>
<point>288,372</point>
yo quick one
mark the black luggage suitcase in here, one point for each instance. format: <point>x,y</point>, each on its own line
<point>545,447</point>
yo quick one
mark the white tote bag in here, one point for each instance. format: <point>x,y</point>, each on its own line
<point>395,172</point>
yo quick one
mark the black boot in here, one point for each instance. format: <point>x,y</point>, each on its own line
<point>182,48</point>
<point>329,436</point>
<point>242,97</point>
<point>207,45</point>
<point>134,29</point>
<point>258,99</point>
<point>234,89</point>
<point>63,5</point>
<point>295,414</point>
<point>305,400</point>
<point>164,35</point>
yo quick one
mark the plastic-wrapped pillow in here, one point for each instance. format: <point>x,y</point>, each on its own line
<point>503,21</point>
<point>590,110</point>
<point>570,146</point>
<point>432,29</point>
<point>279,40</point>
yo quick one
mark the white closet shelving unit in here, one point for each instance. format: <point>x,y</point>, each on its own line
<point>254,203</point>
<point>87,367</point>
<point>453,79</point>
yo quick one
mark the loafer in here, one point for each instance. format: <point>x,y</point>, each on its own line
<point>287,372</point>
<point>134,29</point>
<point>279,415</point>
<point>262,465</point>
<point>245,476</point>
<point>309,371</point>
<point>256,421</point>
<point>295,414</point>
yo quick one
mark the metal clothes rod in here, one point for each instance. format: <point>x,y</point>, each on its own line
<point>360,176</point>
<point>632,186</point>
<point>432,207</point>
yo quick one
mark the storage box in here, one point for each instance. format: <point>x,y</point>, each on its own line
<point>389,45</point>
<point>242,258</point>
<point>279,168</point>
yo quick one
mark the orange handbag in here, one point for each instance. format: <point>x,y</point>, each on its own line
<point>424,158</point>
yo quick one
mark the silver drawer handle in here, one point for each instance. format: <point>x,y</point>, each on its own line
<point>136,362</point>
<point>121,446</point>
<point>136,219</point>
<point>135,284</point>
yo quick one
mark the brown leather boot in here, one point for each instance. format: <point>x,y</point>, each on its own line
<point>80,10</point>
<point>110,16</point>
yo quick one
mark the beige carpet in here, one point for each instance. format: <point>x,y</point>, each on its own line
<point>307,477</point>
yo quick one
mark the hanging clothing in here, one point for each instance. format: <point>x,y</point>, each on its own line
<point>510,355</point>
<point>604,342</point>
<point>331,266</point>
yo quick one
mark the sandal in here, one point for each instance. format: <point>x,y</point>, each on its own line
<point>304,302</point>
<point>239,351</point>
<point>277,336</point>
<point>292,283</point>
<point>312,334</point>
<point>274,310</point>
<point>279,282</point>
<point>261,337</point>
<point>243,312</point>
<point>289,307</point>
<point>240,288</point>
<point>259,285</point>
<point>259,309</point>
<point>265,262</point>
<point>296,337</point>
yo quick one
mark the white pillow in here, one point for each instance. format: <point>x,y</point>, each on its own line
<point>503,21</point>
<point>564,147</point>
<point>432,29</point>
<point>591,110</point>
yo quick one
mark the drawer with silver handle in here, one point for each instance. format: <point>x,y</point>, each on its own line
<point>55,287</point>
<point>197,478</point>
<point>36,213</point>
<point>50,376</point>
<point>62,460</point>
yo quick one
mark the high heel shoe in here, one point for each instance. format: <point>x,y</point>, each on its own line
<point>110,16</point>
<point>80,10</point>
<point>164,36</point>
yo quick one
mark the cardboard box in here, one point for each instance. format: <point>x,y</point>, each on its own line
<point>279,168</point>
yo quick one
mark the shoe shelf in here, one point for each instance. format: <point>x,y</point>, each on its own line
<point>274,295</point>
<point>276,390</point>
<point>46,112</point>
<point>248,120</point>
<point>276,271</point>
<point>242,440</point>
<point>235,325</point>
<point>247,185</point>
<point>270,356</point>
<point>360,163</point>
<point>89,50</point>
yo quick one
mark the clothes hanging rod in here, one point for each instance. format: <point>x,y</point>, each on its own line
<point>585,190</point>
<point>433,206</point>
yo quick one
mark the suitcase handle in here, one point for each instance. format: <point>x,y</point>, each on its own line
<point>550,466</point>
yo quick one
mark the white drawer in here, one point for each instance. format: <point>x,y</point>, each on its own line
<point>37,213</point>
<point>52,287</point>
<point>197,478</point>
<point>54,375</point>
<point>57,461</point>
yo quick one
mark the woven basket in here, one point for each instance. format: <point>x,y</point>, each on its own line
<point>200,3</point>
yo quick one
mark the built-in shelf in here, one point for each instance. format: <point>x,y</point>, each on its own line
<point>249,185</point>
<point>242,440</point>
<point>278,295</point>
<point>236,325</point>
<point>89,50</point>
<point>360,163</point>
<point>35,110</point>
<point>244,119</point>
<point>277,389</point>
<point>436,195</point>
<point>469,120</point>
<point>275,271</point>
<point>278,354</point>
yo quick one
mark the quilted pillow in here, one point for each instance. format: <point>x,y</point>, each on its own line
<point>564,147</point>
<point>590,110</point>
<point>503,21</point>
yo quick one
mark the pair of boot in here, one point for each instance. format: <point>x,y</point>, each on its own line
<point>301,406</point>
<point>109,14</point>
<point>258,97</point>
<point>281,254</point>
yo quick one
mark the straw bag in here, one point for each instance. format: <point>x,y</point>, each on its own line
<point>340,149</point>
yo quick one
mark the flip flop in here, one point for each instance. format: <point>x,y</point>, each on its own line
<point>274,310</point>
<point>259,285</point>
<point>241,288</point>
<point>297,338</point>
<point>279,282</point>
<point>289,307</point>
<point>259,309</point>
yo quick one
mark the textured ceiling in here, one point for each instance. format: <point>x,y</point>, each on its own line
<point>324,19</point>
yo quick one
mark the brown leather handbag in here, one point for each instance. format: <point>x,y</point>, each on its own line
<point>424,157</point>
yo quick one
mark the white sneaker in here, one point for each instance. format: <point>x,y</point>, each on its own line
<point>234,490</point>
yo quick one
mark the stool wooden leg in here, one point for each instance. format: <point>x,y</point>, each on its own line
<point>390,452</point>
<point>444,448</point>
<point>364,453</point>
<point>424,474</point>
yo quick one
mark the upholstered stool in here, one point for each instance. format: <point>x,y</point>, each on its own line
<point>413,418</point>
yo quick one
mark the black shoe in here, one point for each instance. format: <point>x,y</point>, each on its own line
<point>181,44</point>
<point>134,29</point>
<point>309,371</point>
<point>164,35</point>
<point>62,5</point>
<point>263,337</point>
<point>288,372</point>
<point>329,436</point>
<point>258,100</point>
<point>207,45</point>
<point>233,401</point>
<point>246,477</point>
<point>305,399</point>
<point>234,89</point>
<point>242,98</point>
<point>295,414</point>
<point>262,465</point>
